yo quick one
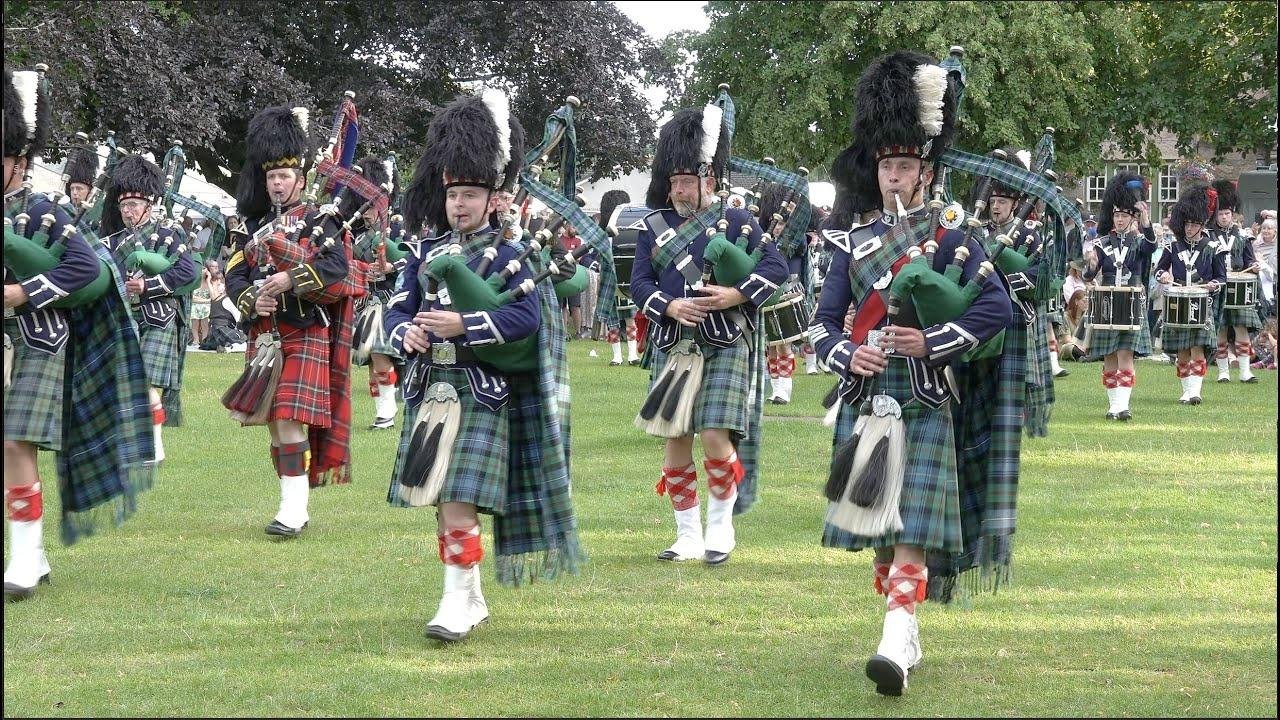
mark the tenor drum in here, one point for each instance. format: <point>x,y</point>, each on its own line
<point>626,225</point>
<point>1187,307</point>
<point>1241,292</point>
<point>786,321</point>
<point>1116,308</point>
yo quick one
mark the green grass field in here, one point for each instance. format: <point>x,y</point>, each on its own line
<point>1144,582</point>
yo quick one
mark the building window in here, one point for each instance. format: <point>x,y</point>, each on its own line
<point>1094,188</point>
<point>1168,184</point>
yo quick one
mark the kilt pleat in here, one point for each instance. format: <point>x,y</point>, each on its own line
<point>1184,338</point>
<point>929,504</point>
<point>33,403</point>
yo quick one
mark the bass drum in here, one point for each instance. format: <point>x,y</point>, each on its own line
<point>624,228</point>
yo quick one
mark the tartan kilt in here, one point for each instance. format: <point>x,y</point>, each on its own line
<point>722,399</point>
<point>478,466</point>
<point>302,394</point>
<point>1181,338</point>
<point>1245,317</point>
<point>160,349</point>
<point>1100,343</point>
<point>930,500</point>
<point>33,403</point>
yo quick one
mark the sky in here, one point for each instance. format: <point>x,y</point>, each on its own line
<point>661,18</point>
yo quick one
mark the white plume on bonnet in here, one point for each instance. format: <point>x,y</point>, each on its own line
<point>712,116</point>
<point>500,107</point>
<point>931,88</point>
<point>26,83</point>
<point>1025,158</point>
<point>303,116</point>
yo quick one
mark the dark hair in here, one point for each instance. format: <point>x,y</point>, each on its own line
<point>1258,218</point>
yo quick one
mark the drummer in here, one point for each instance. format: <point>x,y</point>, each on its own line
<point>1239,258</point>
<point>626,309</point>
<point>1191,261</point>
<point>1122,257</point>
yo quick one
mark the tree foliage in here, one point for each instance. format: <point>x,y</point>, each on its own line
<point>198,70</point>
<point>1091,70</point>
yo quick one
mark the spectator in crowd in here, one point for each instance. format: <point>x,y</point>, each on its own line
<point>1264,253</point>
<point>1264,346</point>
<point>200,303</point>
<point>1070,347</point>
<point>1073,281</point>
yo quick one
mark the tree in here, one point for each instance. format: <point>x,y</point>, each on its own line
<point>197,71</point>
<point>1091,70</point>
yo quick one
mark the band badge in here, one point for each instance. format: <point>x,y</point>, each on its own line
<point>874,338</point>
<point>952,216</point>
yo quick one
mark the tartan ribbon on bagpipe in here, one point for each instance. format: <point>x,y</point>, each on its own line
<point>562,202</point>
<point>345,136</point>
<point>792,238</point>
<point>340,176</point>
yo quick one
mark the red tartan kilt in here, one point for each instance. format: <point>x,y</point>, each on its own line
<point>303,392</point>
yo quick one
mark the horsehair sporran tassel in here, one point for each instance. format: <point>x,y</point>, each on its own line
<point>842,464</point>
<point>430,446</point>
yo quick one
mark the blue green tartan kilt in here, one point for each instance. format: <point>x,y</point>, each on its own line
<point>1100,343</point>
<point>478,465</point>
<point>930,500</point>
<point>160,348</point>
<point>1230,317</point>
<point>1173,339</point>
<point>722,398</point>
<point>33,403</point>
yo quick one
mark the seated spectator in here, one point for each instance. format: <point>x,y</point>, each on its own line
<point>1264,347</point>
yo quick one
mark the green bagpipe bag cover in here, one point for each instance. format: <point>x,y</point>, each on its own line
<point>28,257</point>
<point>470,293</point>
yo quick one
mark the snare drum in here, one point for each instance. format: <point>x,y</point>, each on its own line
<point>1116,308</point>
<point>1187,307</point>
<point>626,224</point>
<point>1241,292</point>
<point>624,303</point>
<point>786,321</point>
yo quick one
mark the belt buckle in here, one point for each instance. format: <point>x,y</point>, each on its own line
<point>444,353</point>
<point>873,339</point>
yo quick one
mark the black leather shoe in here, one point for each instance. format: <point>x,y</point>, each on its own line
<point>667,555</point>
<point>615,363</point>
<point>889,678</point>
<point>1111,416</point>
<point>1194,401</point>
<point>1062,373</point>
<point>1124,415</point>
<point>1251,380</point>
<point>436,632</point>
<point>633,362</point>
<point>279,529</point>
<point>1224,379</point>
<point>1183,402</point>
<point>713,557</point>
<point>13,592</point>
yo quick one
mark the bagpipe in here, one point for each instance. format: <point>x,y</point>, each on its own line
<point>479,291</point>
<point>560,138</point>
<point>174,167</point>
<point>28,257</point>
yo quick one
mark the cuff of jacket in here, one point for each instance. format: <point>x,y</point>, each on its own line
<point>154,287</point>
<point>839,358</point>
<point>656,306</point>
<point>305,279</point>
<point>246,301</point>
<point>41,291</point>
<point>400,264</point>
<point>480,329</point>
<point>397,337</point>
<point>1020,282</point>
<point>946,341</point>
<point>757,289</point>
